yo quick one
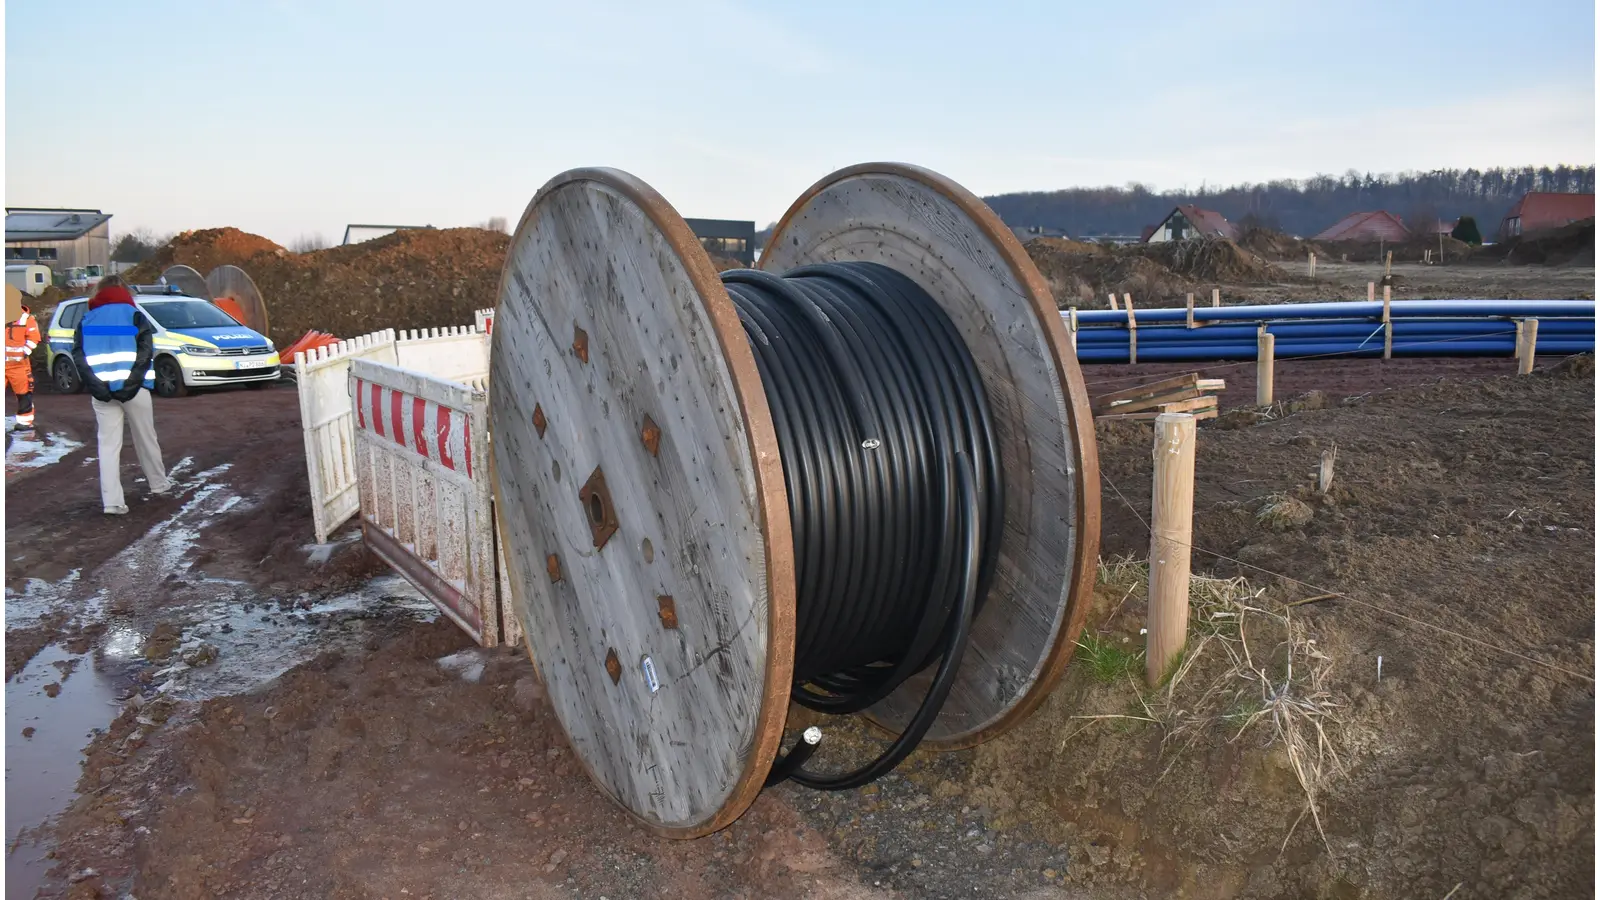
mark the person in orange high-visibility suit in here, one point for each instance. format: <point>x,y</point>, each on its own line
<point>22,335</point>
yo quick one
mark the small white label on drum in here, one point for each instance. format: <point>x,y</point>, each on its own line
<point>650,675</point>
<point>871,444</point>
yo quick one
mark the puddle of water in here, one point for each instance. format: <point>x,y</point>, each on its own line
<point>42,770</point>
<point>265,642</point>
<point>256,639</point>
<point>34,451</point>
<point>37,598</point>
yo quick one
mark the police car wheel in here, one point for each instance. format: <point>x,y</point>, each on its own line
<point>64,376</point>
<point>169,378</point>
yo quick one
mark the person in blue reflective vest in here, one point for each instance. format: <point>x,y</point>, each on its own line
<point>114,348</point>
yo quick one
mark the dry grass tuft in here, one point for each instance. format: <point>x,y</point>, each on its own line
<point>1247,668</point>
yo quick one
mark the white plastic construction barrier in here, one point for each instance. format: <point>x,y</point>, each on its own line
<point>459,353</point>
<point>422,465</point>
<point>322,377</point>
<point>456,353</point>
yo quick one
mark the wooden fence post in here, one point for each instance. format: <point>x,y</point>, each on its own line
<point>1133,329</point>
<point>1265,344</point>
<point>1388,326</point>
<point>1171,532</point>
<point>1527,342</point>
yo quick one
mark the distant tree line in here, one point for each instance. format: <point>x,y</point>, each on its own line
<point>1300,207</point>
<point>138,245</point>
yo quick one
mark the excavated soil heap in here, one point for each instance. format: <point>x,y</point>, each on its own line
<point>1208,260</point>
<point>1571,245</point>
<point>1413,250</point>
<point>1275,245</point>
<point>1083,274</point>
<point>409,279</point>
<point>203,251</point>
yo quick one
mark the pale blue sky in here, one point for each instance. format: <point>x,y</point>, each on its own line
<point>287,118</point>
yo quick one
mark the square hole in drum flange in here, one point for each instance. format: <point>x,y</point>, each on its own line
<point>597,508</point>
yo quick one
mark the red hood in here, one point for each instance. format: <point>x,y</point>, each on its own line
<point>108,296</point>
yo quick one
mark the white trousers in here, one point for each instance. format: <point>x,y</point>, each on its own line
<point>140,416</point>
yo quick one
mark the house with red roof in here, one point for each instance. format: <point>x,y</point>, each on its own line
<point>1376,225</point>
<point>1540,211</point>
<point>1188,221</point>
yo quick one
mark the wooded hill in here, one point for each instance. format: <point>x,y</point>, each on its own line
<point>1302,207</point>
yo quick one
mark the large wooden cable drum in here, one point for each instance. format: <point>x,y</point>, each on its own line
<point>233,290</point>
<point>941,236</point>
<point>187,280</point>
<point>640,486</point>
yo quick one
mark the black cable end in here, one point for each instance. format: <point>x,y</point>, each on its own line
<point>790,762</point>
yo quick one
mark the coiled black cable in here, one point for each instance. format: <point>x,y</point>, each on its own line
<point>894,485</point>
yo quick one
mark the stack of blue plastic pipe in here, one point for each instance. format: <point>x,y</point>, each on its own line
<point>1422,328</point>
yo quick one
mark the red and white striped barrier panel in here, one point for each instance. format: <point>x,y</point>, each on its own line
<point>427,428</point>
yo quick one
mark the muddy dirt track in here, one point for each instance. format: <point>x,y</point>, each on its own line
<point>281,720</point>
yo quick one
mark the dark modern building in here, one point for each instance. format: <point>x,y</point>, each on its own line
<point>727,237</point>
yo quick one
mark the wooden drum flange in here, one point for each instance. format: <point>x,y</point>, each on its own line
<point>233,290</point>
<point>613,324</point>
<point>640,489</point>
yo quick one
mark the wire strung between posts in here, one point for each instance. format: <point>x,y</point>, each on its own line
<point>894,485</point>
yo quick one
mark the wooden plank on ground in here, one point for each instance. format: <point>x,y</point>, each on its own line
<point>1201,407</point>
<point>1175,383</point>
<point>1128,406</point>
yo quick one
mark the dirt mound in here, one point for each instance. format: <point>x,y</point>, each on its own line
<point>1571,245</point>
<point>1210,261</point>
<point>415,278</point>
<point>1275,245</point>
<point>1580,366</point>
<point>203,251</point>
<point>1155,274</point>
<point>1410,251</point>
<point>1084,274</point>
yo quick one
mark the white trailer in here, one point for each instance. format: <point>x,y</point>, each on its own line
<point>31,279</point>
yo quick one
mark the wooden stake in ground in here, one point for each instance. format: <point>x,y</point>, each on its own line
<point>1388,263</point>
<point>1133,329</point>
<point>1265,344</point>
<point>1191,310</point>
<point>1113,301</point>
<point>1312,266</point>
<point>1325,471</point>
<point>1372,291</point>
<point>1388,326</point>
<point>1171,532</point>
<point>1527,342</point>
<point>1072,321</point>
<point>1216,297</point>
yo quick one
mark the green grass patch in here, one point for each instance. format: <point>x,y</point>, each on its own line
<point>1107,661</point>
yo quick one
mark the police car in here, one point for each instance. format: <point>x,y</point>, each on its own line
<point>197,344</point>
